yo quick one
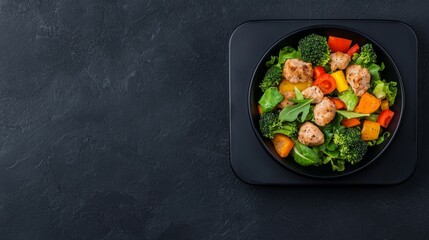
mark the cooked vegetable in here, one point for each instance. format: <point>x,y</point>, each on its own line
<point>354,49</point>
<point>314,49</point>
<point>370,130</point>
<point>337,44</point>
<point>385,117</point>
<point>270,124</point>
<point>349,98</point>
<point>348,114</point>
<point>368,104</point>
<point>380,139</point>
<point>349,143</point>
<point>304,155</point>
<point>340,81</point>
<point>302,107</point>
<point>382,89</point>
<point>270,99</point>
<point>282,144</point>
<point>372,117</point>
<point>286,86</point>
<point>326,83</point>
<point>366,56</point>
<point>338,103</point>
<point>384,104</point>
<point>317,71</point>
<point>352,122</point>
<point>259,109</point>
<point>271,79</point>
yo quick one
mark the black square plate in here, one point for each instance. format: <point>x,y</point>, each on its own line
<point>252,164</point>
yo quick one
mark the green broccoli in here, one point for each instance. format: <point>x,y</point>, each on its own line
<point>271,79</point>
<point>269,124</point>
<point>366,56</point>
<point>314,49</point>
<point>350,145</point>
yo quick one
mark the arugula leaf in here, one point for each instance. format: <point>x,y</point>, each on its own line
<point>337,164</point>
<point>291,112</point>
<point>298,94</point>
<point>348,114</point>
<point>270,99</point>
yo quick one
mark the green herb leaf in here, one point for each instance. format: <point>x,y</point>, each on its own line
<point>272,61</point>
<point>379,140</point>
<point>298,94</point>
<point>270,99</point>
<point>348,114</point>
<point>372,117</point>
<point>349,98</point>
<point>287,53</point>
<point>304,155</point>
<point>291,112</point>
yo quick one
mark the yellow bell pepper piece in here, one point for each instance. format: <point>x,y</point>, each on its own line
<point>384,104</point>
<point>340,80</point>
<point>286,86</point>
<point>370,130</point>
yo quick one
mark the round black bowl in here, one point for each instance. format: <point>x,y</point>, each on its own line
<point>390,73</point>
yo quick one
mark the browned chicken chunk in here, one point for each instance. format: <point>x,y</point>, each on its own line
<point>339,60</point>
<point>358,78</point>
<point>324,112</point>
<point>296,70</point>
<point>310,135</point>
<point>314,93</point>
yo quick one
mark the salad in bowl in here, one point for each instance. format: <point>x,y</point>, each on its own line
<point>323,101</point>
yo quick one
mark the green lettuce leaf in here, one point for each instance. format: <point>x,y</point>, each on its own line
<point>270,99</point>
<point>349,98</point>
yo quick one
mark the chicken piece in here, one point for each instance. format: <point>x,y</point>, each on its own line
<point>310,135</point>
<point>314,93</point>
<point>324,112</point>
<point>286,100</point>
<point>339,60</point>
<point>358,78</point>
<point>296,71</point>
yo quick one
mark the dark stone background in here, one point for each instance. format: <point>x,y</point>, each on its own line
<point>114,125</point>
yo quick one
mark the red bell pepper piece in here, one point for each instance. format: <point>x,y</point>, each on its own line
<point>354,49</point>
<point>385,117</point>
<point>317,71</point>
<point>337,44</point>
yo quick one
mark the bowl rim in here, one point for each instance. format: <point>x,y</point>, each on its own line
<point>250,90</point>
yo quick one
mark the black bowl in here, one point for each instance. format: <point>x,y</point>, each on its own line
<point>390,73</point>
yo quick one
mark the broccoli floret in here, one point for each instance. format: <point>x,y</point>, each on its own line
<point>350,145</point>
<point>314,49</point>
<point>366,57</point>
<point>269,124</point>
<point>271,79</point>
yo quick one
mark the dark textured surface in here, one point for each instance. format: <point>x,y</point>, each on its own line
<point>114,125</point>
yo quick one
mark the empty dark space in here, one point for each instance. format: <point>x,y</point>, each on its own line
<point>114,124</point>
